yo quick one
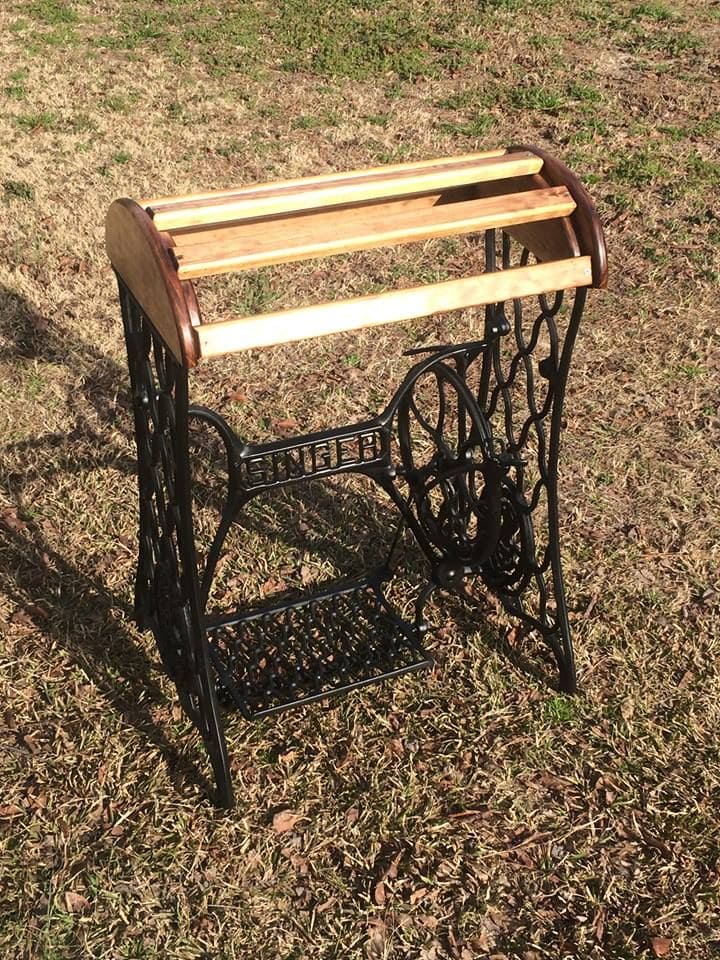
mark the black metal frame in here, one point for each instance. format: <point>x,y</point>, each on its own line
<point>462,450</point>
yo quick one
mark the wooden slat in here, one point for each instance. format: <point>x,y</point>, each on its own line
<point>269,201</point>
<point>267,329</point>
<point>328,218</point>
<point>321,179</point>
<point>254,245</point>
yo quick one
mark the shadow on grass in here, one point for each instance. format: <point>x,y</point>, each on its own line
<point>73,607</point>
<point>70,606</point>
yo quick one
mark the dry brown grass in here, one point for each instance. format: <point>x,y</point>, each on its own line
<point>468,813</point>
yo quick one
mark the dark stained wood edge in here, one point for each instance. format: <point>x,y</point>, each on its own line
<point>192,302</point>
<point>143,258</point>
<point>585,219</point>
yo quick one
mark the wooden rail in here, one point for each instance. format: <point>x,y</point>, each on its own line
<point>267,329</point>
<point>321,178</point>
<point>361,186</point>
<point>160,246</point>
<point>256,244</point>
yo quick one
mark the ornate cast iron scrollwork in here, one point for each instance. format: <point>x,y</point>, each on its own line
<point>451,471</point>
<point>522,389</point>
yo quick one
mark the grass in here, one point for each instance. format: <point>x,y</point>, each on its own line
<point>52,12</point>
<point>477,127</point>
<point>471,812</point>
<point>31,122</point>
<point>655,11</point>
<point>639,168</point>
<point>18,190</point>
<point>15,85</point>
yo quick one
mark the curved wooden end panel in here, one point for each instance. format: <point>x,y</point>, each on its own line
<point>548,240</point>
<point>585,219</point>
<point>140,255</point>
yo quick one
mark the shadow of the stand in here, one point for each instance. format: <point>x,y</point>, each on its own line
<point>83,620</point>
<point>71,606</point>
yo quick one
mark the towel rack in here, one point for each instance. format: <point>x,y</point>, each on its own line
<point>474,481</point>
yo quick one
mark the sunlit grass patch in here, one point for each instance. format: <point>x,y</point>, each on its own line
<point>655,11</point>
<point>15,85</point>
<point>537,97</point>
<point>639,167</point>
<point>44,120</point>
<point>477,126</point>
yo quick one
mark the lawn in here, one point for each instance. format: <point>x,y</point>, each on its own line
<point>465,813</point>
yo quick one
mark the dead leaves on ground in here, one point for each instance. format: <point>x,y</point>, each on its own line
<point>285,427</point>
<point>660,946</point>
<point>76,902</point>
<point>285,820</point>
<point>12,520</point>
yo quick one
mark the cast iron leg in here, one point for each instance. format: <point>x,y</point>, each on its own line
<point>166,585</point>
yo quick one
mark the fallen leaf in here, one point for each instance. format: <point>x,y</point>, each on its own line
<point>30,743</point>
<point>376,946</point>
<point>463,814</point>
<point>40,906</point>
<point>285,427</point>
<point>35,611</point>
<point>76,902</point>
<point>352,815</point>
<point>37,801</point>
<point>660,946</point>
<point>285,820</point>
<point>10,810</point>
<point>72,264</point>
<point>273,585</point>
<point>379,893</point>
<point>599,924</point>
<point>627,709</point>
<point>392,870</point>
<point>11,519</point>
<point>236,396</point>
<point>515,636</point>
<point>21,619</point>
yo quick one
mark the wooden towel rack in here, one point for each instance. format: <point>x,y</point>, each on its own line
<point>158,245</point>
<point>478,490</point>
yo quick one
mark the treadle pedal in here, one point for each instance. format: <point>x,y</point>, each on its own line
<point>323,645</point>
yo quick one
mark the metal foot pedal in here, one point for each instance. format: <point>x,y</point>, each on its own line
<point>322,645</point>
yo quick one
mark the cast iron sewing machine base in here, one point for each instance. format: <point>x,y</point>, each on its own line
<point>467,452</point>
